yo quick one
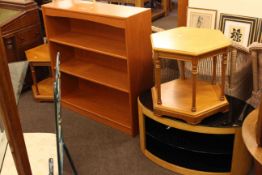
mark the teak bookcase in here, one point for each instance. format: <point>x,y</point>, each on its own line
<point>105,59</point>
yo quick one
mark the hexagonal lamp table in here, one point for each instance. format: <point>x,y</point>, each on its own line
<point>189,100</point>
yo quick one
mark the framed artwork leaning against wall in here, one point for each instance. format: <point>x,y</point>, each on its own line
<point>241,29</point>
<point>259,33</point>
<point>201,18</point>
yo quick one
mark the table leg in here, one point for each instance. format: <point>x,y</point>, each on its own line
<point>164,6</point>
<point>223,75</point>
<point>255,71</point>
<point>34,78</point>
<point>50,71</point>
<point>214,69</point>
<point>157,77</point>
<point>233,60</point>
<point>194,77</point>
<point>139,3</point>
<point>181,65</point>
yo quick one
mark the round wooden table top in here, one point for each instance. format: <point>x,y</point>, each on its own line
<point>249,136</point>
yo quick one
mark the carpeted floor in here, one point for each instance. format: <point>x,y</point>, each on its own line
<point>169,21</point>
<point>95,148</point>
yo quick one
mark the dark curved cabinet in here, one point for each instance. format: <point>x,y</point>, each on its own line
<point>203,152</point>
<point>213,147</point>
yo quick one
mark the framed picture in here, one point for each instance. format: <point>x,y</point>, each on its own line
<point>240,29</point>
<point>201,18</point>
<point>259,33</point>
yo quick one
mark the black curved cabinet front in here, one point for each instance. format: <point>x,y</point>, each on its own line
<point>196,151</point>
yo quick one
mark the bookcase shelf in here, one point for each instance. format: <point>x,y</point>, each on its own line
<point>106,59</point>
<point>88,35</point>
<point>91,99</point>
<point>96,73</point>
<point>92,43</point>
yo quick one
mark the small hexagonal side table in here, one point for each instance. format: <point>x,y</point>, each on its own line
<point>39,56</point>
<point>189,100</point>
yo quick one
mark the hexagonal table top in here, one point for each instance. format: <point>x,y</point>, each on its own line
<point>189,41</point>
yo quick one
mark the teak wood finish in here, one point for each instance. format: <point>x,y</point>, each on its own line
<point>241,160</point>
<point>251,140</point>
<point>179,90</point>
<point>39,57</point>
<point>182,12</point>
<point>252,135</point>
<point>105,58</point>
<point>189,44</point>
<point>259,125</point>
<point>10,118</point>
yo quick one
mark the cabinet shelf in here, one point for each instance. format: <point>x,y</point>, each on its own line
<point>98,44</point>
<point>190,148</point>
<point>188,159</point>
<point>190,141</point>
<point>96,73</point>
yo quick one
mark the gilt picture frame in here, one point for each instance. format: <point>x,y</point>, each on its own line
<point>201,18</point>
<point>240,29</point>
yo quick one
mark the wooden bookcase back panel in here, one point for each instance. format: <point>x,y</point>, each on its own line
<point>98,29</point>
<point>66,52</point>
<point>114,22</point>
<point>98,68</point>
<point>87,35</point>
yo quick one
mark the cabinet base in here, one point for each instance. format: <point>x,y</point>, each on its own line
<point>198,142</point>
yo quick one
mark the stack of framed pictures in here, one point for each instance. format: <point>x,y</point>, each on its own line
<point>241,29</point>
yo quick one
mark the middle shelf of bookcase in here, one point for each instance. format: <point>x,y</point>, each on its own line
<point>92,66</point>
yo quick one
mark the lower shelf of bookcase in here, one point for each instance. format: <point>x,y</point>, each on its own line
<point>98,117</point>
<point>100,103</point>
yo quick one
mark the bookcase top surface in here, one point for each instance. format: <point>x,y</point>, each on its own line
<point>97,8</point>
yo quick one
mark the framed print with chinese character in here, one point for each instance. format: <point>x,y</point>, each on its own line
<point>201,18</point>
<point>240,29</point>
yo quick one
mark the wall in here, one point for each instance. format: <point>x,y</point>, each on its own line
<point>252,8</point>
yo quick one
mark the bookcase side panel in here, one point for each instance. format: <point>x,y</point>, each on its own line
<point>140,67</point>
